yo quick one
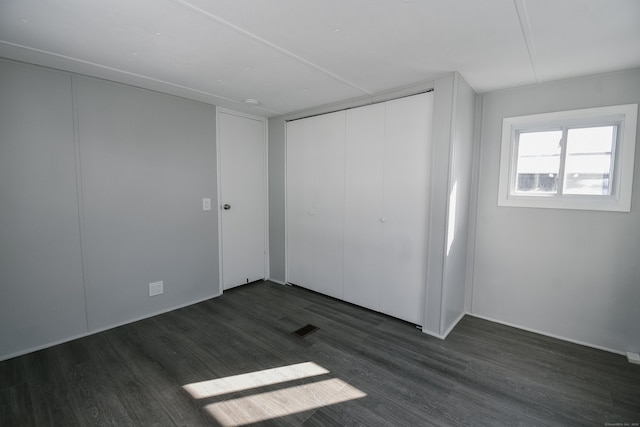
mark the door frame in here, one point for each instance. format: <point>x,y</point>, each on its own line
<point>265,121</point>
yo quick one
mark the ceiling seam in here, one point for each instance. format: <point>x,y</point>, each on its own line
<point>271,45</point>
<point>527,33</point>
<point>128,73</point>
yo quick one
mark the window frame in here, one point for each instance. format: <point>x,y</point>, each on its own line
<point>624,117</point>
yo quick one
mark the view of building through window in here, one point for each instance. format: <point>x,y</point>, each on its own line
<point>538,163</point>
<point>589,160</point>
<point>585,166</point>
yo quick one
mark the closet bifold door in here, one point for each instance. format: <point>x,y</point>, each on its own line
<point>407,150</point>
<point>363,205</point>
<point>300,202</point>
<point>328,200</point>
<point>357,199</point>
<point>315,203</point>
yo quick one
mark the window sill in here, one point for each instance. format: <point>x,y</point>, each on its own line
<point>597,203</point>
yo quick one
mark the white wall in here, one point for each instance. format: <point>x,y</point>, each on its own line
<point>566,273</point>
<point>456,242</point>
<point>101,189</point>
<point>454,112</point>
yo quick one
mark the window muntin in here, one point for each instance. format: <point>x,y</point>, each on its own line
<point>580,159</point>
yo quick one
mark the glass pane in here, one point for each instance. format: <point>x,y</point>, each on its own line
<point>538,162</point>
<point>588,163</point>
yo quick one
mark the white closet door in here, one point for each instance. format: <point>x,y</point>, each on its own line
<point>406,194</point>
<point>363,205</point>
<point>300,202</point>
<point>328,212</point>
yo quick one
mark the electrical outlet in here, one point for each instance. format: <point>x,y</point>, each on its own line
<point>156,288</point>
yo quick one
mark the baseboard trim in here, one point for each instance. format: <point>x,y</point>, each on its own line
<point>453,325</point>
<point>106,328</point>
<point>449,329</point>
<point>546,334</point>
<point>633,357</point>
<point>433,334</point>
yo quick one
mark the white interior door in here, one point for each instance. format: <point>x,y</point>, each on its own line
<point>242,198</point>
<point>405,206</point>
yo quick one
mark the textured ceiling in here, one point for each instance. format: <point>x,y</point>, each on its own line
<point>293,55</point>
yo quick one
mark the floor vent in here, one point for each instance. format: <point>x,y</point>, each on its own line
<point>305,330</point>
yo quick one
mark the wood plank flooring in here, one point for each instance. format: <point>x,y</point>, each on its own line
<point>233,360</point>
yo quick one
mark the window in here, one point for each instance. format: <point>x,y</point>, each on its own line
<point>579,159</point>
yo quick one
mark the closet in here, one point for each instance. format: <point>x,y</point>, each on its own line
<point>357,204</point>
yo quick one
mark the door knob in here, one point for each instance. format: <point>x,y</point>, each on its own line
<point>226,207</point>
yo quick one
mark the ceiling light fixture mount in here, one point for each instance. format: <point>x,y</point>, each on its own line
<point>252,102</point>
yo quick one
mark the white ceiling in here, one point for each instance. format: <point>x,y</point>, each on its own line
<point>298,54</point>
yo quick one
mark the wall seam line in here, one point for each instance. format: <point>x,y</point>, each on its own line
<point>79,198</point>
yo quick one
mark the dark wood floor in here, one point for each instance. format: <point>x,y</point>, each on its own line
<point>368,369</point>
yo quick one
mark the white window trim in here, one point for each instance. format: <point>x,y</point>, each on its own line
<point>620,198</point>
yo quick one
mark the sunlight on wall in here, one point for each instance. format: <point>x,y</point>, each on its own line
<point>251,380</point>
<point>280,403</point>
<point>451,224</point>
<point>288,400</point>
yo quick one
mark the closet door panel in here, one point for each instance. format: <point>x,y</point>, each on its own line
<point>328,213</point>
<point>406,178</point>
<point>300,202</point>
<point>363,205</point>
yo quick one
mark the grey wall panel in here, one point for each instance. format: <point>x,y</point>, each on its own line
<point>454,280</point>
<point>147,161</point>
<point>454,113</point>
<point>439,193</point>
<point>277,129</point>
<point>568,273</point>
<point>41,288</point>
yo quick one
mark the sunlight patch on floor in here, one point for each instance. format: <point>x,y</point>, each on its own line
<point>283,402</point>
<point>232,384</point>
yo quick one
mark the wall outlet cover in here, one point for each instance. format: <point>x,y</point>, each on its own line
<point>156,288</point>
